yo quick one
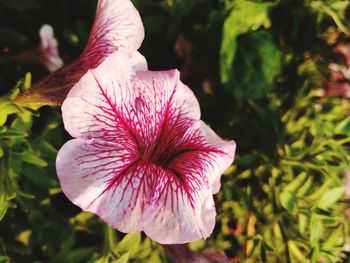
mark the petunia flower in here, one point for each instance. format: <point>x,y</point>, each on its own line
<point>117,26</point>
<point>339,82</point>
<point>182,254</point>
<point>46,53</point>
<point>142,159</point>
<point>48,47</point>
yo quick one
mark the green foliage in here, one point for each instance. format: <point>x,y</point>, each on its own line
<point>302,185</point>
<point>257,62</point>
<point>335,9</point>
<point>254,54</point>
<point>258,69</point>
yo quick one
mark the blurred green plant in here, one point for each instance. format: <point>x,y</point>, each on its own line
<point>255,54</point>
<point>295,198</point>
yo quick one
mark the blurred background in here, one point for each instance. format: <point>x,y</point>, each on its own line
<point>272,75</point>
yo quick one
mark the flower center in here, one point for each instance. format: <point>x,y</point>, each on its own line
<point>158,156</point>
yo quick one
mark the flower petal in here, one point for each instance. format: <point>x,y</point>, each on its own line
<point>102,178</point>
<point>46,36</point>
<point>223,157</point>
<point>117,26</point>
<point>177,213</point>
<point>48,49</point>
<point>105,179</point>
<point>90,108</point>
<point>148,104</point>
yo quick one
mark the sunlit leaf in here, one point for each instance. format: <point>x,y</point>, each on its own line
<point>303,223</point>
<point>330,197</point>
<point>343,127</point>
<point>123,259</point>
<point>335,238</point>
<point>288,200</point>
<point>129,242</point>
<point>3,202</point>
<point>315,229</point>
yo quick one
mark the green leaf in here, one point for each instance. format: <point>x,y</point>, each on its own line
<point>247,159</point>
<point>6,108</point>
<point>315,229</point>
<point>154,258</point>
<point>32,158</point>
<point>340,6</point>
<point>297,182</point>
<point>4,259</point>
<point>4,204</point>
<point>288,200</point>
<point>123,259</point>
<point>315,254</point>
<point>27,82</point>
<point>32,111</point>
<point>23,122</point>
<point>343,127</point>
<point>306,187</point>
<point>256,64</point>
<point>296,251</point>
<point>78,255</point>
<point>3,118</point>
<point>320,191</point>
<point>4,198</point>
<point>302,223</point>
<point>39,177</point>
<point>14,163</point>
<point>335,238</point>
<point>330,197</point>
<point>245,16</point>
<point>12,133</point>
<point>129,242</point>
<point>335,10</point>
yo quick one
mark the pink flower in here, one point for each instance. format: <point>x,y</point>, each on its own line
<point>117,26</point>
<point>141,159</point>
<point>346,183</point>
<point>338,88</point>
<point>46,53</point>
<point>48,47</point>
<point>182,254</point>
<point>339,83</point>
